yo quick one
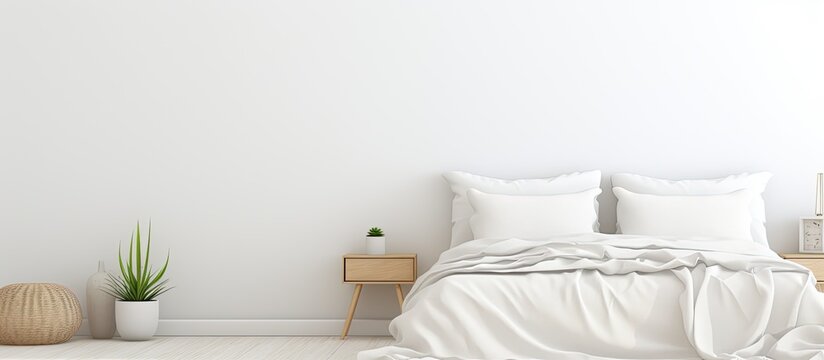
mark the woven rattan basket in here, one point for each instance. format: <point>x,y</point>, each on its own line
<point>38,314</point>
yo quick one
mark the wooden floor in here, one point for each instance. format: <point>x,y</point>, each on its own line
<point>202,348</point>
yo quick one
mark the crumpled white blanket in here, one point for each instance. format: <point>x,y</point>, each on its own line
<point>600,296</point>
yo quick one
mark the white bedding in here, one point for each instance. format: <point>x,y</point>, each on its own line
<point>598,296</point>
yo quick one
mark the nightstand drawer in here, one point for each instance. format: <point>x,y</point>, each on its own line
<point>383,269</point>
<point>815,265</point>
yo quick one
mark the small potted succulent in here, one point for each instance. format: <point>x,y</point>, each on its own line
<point>136,290</point>
<point>375,242</point>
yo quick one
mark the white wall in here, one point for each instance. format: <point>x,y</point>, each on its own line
<point>264,137</point>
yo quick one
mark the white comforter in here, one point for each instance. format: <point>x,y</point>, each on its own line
<point>600,296</point>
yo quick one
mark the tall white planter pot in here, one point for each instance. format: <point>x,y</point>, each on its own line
<point>376,245</point>
<point>137,320</point>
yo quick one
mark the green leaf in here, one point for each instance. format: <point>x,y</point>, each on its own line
<point>148,246</point>
<point>139,250</point>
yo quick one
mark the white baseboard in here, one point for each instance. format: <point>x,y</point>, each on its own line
<point>330,327</point>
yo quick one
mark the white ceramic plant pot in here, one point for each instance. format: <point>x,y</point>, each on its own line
<point>376,245</point>
<point>137,320</point>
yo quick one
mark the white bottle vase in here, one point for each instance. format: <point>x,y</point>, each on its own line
<point>137,320</point>
<point>376,245</point>
<point>99,305</point>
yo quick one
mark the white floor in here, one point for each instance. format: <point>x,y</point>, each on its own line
<point>202,348</point>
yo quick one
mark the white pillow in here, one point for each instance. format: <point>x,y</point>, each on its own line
<point>755,183</point>
<point>715,216</point>
<point>532,217</point>
<point>460,182</point>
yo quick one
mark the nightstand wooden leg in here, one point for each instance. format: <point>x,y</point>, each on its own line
<point>352,306</point>
<point>399,292</point>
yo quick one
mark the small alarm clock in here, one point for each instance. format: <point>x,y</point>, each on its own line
<point>810,231</point>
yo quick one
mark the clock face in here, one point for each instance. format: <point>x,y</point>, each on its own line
<point>812,234</point>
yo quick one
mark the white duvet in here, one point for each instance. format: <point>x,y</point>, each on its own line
<point>600,296</point>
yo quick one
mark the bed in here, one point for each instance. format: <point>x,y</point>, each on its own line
<point>598,296</point>
<point>529,277</point>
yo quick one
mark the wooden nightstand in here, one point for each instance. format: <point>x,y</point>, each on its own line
<point>393,269</point>
<point>814,262</point>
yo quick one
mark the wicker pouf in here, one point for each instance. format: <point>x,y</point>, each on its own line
<point>38,314</point>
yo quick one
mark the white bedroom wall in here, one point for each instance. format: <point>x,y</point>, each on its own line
<point>264,137</point>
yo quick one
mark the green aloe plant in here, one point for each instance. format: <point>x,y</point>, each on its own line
<point>375,232</point>
<point>137,280</point>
